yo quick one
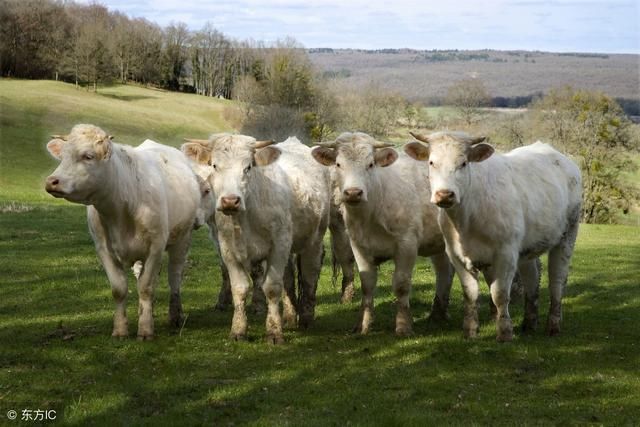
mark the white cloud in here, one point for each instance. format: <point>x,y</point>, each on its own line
<point>574,25</point>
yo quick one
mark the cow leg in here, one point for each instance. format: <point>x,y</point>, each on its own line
<point>177,258</point>
<point>239,280</point>
<point>146,288</point>
<point>118,280</point>
<point>342,255</point>
<point>504,269</point>
<point>530,280</point>
<point>310,265</point>
<point>224,297</point>
<point>489,277</point>
<point>368,279</point>
<point>404,260</point>
<point>258,302</point>
<point>470,324</point>
<point>273,286</point>
<point>559,259</point>
<point>444,279</point>
<point>290,311</point>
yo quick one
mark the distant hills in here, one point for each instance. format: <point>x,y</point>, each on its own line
<point>512,77</point>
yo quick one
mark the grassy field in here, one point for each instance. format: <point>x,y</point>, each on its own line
<point>56,309</point>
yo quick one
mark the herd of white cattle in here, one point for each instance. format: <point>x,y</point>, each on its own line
<point>447,196</point>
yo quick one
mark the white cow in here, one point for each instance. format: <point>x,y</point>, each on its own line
<point>140,201</point>
<point>388,216</point>
<point>266,210</point>
<point>498,212</point>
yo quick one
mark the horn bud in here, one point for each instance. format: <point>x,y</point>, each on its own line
<point>262,144</point>
<point>326,144</point>
<point>204,142</point>
<point>379,144</point>
<point>420,137</point>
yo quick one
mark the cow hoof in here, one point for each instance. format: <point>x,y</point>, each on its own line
<point>438,315</point>
<point>148,337</point>
<point>258,309</point>
<point>505,337</point>
<point>176,321</point>
<point>360,329</point>
<point>237,337</point>
<point>404,332</point>
<point>120,335</point>
<point>306,320</point>
<point>553,326</point>
<point>275,339</point>
<point>529,326</point>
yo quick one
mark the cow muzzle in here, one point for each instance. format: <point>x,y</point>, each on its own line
<point>52,186</point>
<point>445,198</point>
<point>352,195</point>
<point>229,205</point>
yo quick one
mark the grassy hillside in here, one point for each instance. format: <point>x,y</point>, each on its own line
<point>30,111</point>
<point>56,315</point>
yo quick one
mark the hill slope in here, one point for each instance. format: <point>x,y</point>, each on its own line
<point>30,111</point>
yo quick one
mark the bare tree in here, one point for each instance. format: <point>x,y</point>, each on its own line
<point>467,96</point>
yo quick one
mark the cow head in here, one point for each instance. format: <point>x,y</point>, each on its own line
<point>84,155</point>
<point>450,155</point>
<point>355,157</point>
<point>227,162</point>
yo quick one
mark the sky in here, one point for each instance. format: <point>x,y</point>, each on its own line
<point>549,25</point>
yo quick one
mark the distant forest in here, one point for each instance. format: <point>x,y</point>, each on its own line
<point>89,45</point>
<point>512,78</point>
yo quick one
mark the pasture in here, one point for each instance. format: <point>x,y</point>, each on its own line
<point>56,311</point>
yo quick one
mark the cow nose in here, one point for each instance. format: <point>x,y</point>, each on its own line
<point>51,183</point>
<point>231,202</point>
<point>353,194</point>
<point>445,198</point>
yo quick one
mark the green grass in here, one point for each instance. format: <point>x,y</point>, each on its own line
<point>56,310</point>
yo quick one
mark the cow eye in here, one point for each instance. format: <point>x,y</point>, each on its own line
<point>430,163</point>
<point>370,165</point>
<point>337,165</point>
<point>214,166</point>
<point>87,156</point>
<point>464,164</point>
<point>247,169</point>
<point>207,191</point>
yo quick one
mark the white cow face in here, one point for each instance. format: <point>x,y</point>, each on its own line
<point>207,202</point>
<point>356,158</point>
<point>450,157</point>
<point>230,161</point>
<point>84,155</point>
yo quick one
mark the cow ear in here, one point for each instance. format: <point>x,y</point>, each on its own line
<point>267,155</point>
<point>103,148</point>
<point>55,147</point>
<point>417,150</point>
<point>480,152</point>
<point>324,156</point>
<point>385,157</point>
<point>197,153</point>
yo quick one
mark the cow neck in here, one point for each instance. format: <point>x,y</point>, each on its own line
<point>119,196</point>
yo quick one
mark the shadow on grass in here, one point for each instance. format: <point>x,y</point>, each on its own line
<point>127,98</point>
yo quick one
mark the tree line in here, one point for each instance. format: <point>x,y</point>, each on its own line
<point>91,45</point>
